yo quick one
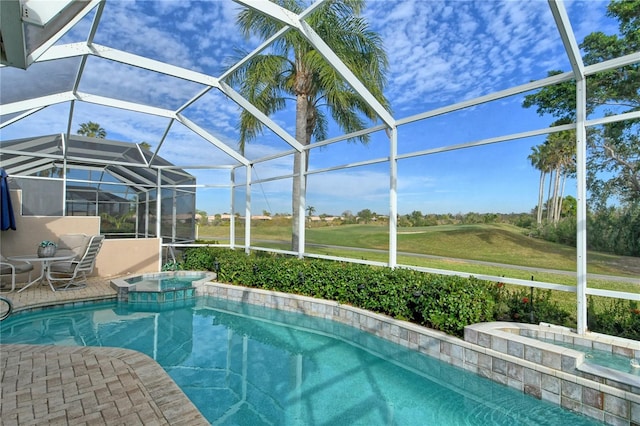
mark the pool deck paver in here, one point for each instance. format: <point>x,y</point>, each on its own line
<point>85,385</point>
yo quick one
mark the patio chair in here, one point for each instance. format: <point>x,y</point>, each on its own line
<point>13,268</point>
<point>73,245</point>
<point>74,273</point>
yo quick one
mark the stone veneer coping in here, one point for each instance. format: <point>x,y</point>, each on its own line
<point>122,285</point>
<point>572,360</point>
<point>540,369</point>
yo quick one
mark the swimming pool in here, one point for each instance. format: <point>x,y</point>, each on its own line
<point>244,364</point>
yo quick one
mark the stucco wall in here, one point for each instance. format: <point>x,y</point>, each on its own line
<point>117,256</point>
<point>128,256</point>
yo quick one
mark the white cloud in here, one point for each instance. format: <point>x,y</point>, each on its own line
<point>128,26</point>
<point>447,52</point>
<point>135,84</point>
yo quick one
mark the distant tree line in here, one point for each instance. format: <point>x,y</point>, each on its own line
<point>417,218</point>
<point>610,230</point>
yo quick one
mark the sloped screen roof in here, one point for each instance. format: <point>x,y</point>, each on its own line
<point>156,72</point>
<point>127,162</point>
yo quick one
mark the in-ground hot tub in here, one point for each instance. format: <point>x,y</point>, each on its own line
<point>562,348</point>
<point>161,287</point>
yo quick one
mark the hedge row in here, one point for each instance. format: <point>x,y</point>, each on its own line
<point>446,303</point>
<point>442,302</point>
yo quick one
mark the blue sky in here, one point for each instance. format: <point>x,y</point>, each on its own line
<point>439,53</point>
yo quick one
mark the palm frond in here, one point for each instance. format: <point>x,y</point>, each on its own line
<point>292,68</point>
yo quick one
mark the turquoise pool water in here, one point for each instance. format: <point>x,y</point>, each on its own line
<point>599,357</point>
<point>162,283</point>
<point>246,365</point>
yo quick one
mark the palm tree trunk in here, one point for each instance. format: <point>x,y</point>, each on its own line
<point>295,203</point>
<point>556,191</point>
<point>540,198</point>
<point>559,206</point>
<point>549,195</point>
<point>302,136</point>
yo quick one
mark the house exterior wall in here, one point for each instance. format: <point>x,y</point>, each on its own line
<point>128,256</point>
<point>116,257</point>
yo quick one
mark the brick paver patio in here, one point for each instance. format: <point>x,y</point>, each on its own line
<point>66,385</point>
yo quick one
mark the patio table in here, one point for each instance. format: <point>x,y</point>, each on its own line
<point>46,261</point>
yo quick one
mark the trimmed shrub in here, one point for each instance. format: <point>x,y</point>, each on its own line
<point>449,303</point>
<point>443,302</point>
<point>200,258</point>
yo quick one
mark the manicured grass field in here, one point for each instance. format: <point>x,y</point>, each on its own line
<point>454,248</point>
<point>458,245</point>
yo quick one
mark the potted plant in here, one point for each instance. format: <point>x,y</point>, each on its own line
<point>47,248</point>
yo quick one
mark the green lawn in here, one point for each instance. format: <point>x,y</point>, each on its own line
<point>459,244</point>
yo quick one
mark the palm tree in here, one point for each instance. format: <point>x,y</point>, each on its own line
<point>310,211</point>
<point>556,157</point>
<point>293,69</point>
<point>566,146</point>
<point>538,161</point>
<point>92,130</point>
